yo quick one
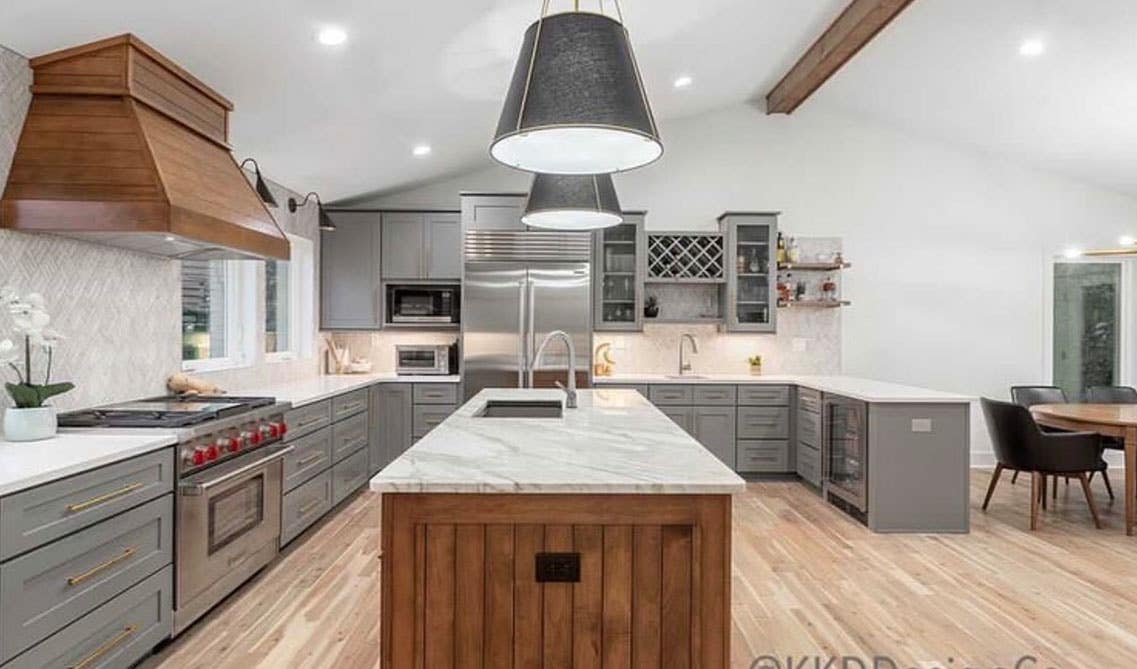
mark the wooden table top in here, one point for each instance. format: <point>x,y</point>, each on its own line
<point>1124,415</point>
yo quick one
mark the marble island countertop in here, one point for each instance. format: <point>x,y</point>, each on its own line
<point>867,390</point>
<point>27,464</point>
<point>318,388</point>
<point>616,442</point>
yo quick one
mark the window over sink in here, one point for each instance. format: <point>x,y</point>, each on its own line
<point>289,303</point>
<point>217,302</point>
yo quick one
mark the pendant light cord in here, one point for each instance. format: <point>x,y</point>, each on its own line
<point>576,8</point>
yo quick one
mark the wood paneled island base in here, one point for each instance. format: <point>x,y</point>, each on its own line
<point>460,587</point>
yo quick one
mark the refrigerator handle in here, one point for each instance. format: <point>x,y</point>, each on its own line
<point>531,335</point>
<point>522,357</point>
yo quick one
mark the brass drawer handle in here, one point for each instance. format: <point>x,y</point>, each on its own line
<point>309,506</point>
<point>311,421</point>
<point>106,647</point>
<point>350,407</point>
<point>76,580</point>
<point>95,501</point>
<point>310,459</point>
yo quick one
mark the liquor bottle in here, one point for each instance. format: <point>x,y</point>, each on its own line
<point>781,249</point>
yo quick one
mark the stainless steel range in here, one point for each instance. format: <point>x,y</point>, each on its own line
<point>229,474</point>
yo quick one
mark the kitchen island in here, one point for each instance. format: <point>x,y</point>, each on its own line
<point>589,538</point>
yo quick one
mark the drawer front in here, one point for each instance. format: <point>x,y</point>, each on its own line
<point>349,404</point>
<point>427,417</point>
<point>640,388</point>
<point>305,505</point>
<point>46,589</point>
<point>311,454</point>
<point>808,400</point>
<point>713,395</point>
<point>308,419</point>
<point>670,394</point>
<point>34,517</point>
<point>809,464</point>
<point>763,456</point>
<point>114,636</point>
<point>349,436</point>
<point>778,396</point>
<point>809,427</point>
<point>348,476</point>
<point>436,393</point>
<point>763,422</point>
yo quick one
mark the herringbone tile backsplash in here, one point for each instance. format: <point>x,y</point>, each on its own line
<point>120,311</point>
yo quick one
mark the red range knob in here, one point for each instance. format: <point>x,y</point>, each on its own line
<point>234,445</point>
<point>255,438</point>
<point>283,429</point>
<point>198,457</point>
<point>212,453</point>
<point>274,430</point>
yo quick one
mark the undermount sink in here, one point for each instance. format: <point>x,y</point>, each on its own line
<point>695,377</point>
<point>521,409</point>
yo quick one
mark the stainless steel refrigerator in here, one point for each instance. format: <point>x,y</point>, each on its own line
<point>518,287</point>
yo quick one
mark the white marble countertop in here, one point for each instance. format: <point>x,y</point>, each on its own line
<point>867,390</point>
<point>616,442</point>
<point>317,388</point>
<point>30,463</point>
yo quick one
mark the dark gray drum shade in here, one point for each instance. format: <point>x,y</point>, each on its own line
<point>576,104</point>
<point>572,202</point>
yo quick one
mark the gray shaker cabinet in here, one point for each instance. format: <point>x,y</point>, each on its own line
<point>349,272</point>
<point>443,234</point>
<point>619,256</point>
<point>392,413</point>
<point>421,245</point>
<point>715,429</point>
<point>751,271</point>
<point>684,417</point>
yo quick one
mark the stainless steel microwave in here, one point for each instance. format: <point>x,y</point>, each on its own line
<point>423,305</point>
<point>433,359</point>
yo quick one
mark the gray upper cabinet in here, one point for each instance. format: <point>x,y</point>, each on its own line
<point>493,211</point>
<point>751,271</point>
<point>421,245</point>
<point>619,259</point>
<point>349,272</point>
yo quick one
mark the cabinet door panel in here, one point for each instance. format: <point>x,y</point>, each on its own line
<point>349,272</point>
<point>684,417</point>
<point>715,430</point>
<point>394,419</point>
<point>443,246</point>
<point>403,239</point>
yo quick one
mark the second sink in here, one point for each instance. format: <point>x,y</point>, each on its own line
<point>521,409</point>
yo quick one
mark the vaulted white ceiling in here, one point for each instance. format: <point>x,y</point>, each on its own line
<point>344,120</point>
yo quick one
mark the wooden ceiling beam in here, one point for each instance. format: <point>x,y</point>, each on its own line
<point>857,25</point>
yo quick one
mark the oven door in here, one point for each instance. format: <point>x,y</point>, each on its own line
<point>228,527</point>
<point>423,360</point>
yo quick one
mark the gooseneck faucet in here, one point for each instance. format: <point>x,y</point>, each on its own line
<point>685,366</point>
<point>570,391</point>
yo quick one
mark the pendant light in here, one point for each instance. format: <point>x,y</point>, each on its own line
<point>572,202</point>
<point>262,188</point>
<point>576,104</point>
<point>325,221</point>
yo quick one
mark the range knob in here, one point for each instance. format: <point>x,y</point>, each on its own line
<point>252,438</point>
<point>195,457</point>
<point>234,444</point>
<point>269,431</point>
<point>212,452</point>
<point>283,428</point>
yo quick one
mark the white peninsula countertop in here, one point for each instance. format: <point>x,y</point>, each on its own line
<point>866,390</point>
<point>27,464</point>
<point>615,442</point>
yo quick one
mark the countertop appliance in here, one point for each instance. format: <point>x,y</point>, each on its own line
<point>521,285</point>
<point>428,359</point>
<point>419,305</point>
<point>229,479</point>
<point>844,425</point>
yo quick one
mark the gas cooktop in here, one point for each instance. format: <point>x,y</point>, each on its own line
<point>168,412</point>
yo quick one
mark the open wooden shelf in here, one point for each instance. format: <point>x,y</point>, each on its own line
<point>816,304</point>
<point>814,266</point>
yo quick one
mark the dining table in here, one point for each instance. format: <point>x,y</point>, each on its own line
<point>1110,420</point>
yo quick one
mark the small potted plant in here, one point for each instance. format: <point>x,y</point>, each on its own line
<point>651,307</point>
<point>30,419</point>
<point>755,364</point>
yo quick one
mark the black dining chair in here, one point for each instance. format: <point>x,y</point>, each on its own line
<point>1029,396</point>
<point>1111,395</point>
<point>1019,444</point>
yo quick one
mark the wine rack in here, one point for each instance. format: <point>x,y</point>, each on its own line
<point>694,258</point>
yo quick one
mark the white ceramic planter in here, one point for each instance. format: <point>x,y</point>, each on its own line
<point>30,424</point>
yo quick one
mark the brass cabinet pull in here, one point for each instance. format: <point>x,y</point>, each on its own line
<point>310,459</point>
<point>106,647</point>
<point>310,421</point>
<point>309,506</point>
<point>95,501</point>
<point>76,580</point>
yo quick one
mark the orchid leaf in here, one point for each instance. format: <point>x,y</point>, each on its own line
<point>33,396</point>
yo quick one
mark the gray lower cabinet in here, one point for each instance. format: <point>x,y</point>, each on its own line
<point>763,423</point>
<point>46,589</point>
<point>392,422</point>
<point>350,435</point>
<point>311,454</point>
<point>307,419</point>
<point>116,635</point>
<point>763,457</point>
<point>429,416</point>
<point>436,393</point>
<point>808,424</point>
<point>715,430</point>
<point>305,505</point>
<point>349,272</point>
<point>684,417</point>
<point>348,475</point>
<point>809,464</point>
<point>349,404</point>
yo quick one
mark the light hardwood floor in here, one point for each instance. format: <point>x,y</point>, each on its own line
<point>807,581</point>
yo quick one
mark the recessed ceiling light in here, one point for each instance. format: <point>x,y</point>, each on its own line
<point>683,82</point>
<point>331,36</point>
<point>1072,253</point>
<point>1032,48</point>
<point>1127,240</point>
<point>421,150</point>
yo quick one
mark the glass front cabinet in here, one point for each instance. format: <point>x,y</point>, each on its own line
<point>618,262</point>
<point>751,271</point>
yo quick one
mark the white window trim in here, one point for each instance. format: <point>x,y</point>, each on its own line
<point>301,313</point>
<point>241,309</point>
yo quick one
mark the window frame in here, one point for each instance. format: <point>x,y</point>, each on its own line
<point>240,308</point>
<point>301,297</point>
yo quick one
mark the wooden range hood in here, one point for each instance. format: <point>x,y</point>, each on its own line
<point>123,147</point>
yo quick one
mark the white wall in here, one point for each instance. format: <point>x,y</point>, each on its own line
<point>949,245</point>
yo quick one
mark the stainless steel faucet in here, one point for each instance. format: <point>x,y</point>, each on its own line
<point>685,366</point>
<point>570,391</point>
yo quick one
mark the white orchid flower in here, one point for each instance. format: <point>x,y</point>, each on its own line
<point>32,322</point>
<point>8,295</point>
<point>35,300</point>
<point>8,352</point>
<point>49,338</point>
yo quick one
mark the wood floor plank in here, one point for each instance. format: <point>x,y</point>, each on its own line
<point>806,580</point>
